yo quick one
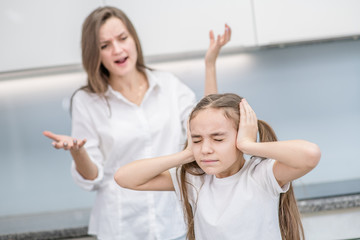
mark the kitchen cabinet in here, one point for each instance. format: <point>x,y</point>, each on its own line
<point>279,21</point>
<point>41,33</point>
<point>169,26</point>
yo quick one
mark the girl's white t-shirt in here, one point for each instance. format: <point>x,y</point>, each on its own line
<point>242,206</point>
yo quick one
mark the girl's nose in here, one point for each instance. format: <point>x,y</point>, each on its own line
<point>206,147</point>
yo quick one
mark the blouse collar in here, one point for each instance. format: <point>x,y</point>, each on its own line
<point>153,84</point>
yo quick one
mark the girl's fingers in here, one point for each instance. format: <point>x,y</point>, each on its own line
<point>247,114</point>
<point>247,107</point>
<point>248,123</point>
<point>242,113</point>
<point>189,140</point>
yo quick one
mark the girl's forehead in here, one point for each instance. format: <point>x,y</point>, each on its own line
<point>208,112</point>
<point>210,119</point>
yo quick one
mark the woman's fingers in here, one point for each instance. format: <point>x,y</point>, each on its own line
<point>211,36</point>
<point>81,143</point>
<point>64,142</point>
<point>227,33</point>
<point>58,145</point>
<point>61,144</point>
<point>221,40</point>
<point>225,38</point>
<point>77,144</point>
<point>59,141</point>
<point>67,146</point>
<point>51,135</point>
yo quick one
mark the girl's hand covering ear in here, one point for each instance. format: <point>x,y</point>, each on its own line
<point>64,142</point>
<point>189,139</point>
<point>188,148</point>
<point>248,125</point>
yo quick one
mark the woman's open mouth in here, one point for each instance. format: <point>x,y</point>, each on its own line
<point>121,60</point>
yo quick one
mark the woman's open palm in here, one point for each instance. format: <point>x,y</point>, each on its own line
<point>64,142</point>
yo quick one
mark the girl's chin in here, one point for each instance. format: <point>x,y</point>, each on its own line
<point>209,171</point>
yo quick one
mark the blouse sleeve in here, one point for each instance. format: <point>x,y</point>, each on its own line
<point>83,127</point>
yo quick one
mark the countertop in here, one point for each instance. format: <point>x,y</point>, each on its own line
<point>305,206</point>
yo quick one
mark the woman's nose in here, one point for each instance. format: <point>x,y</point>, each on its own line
<point>117,48</point>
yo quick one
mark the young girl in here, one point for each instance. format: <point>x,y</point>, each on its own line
<point>224,195</point>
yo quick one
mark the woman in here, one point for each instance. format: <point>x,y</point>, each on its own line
<point>124,113</point>
<point>224,195</point>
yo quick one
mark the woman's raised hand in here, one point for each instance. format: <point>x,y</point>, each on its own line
<point>64,142</point>
<point>248,125</point>
<point>216,44</point>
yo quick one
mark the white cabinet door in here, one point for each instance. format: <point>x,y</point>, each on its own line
<point>173,26</point>
<point>281,21</point>
<point>41,33</point>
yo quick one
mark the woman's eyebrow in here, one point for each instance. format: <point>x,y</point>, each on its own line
<point>106,41</point>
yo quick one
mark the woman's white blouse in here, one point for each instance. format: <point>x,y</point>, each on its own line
<point>119,132</point>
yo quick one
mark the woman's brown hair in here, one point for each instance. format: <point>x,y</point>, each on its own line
<point>289,217</point>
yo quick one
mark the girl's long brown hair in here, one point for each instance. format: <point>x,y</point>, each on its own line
<point>289,217</point>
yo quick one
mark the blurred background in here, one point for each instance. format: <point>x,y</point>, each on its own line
<point>297,63</point>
